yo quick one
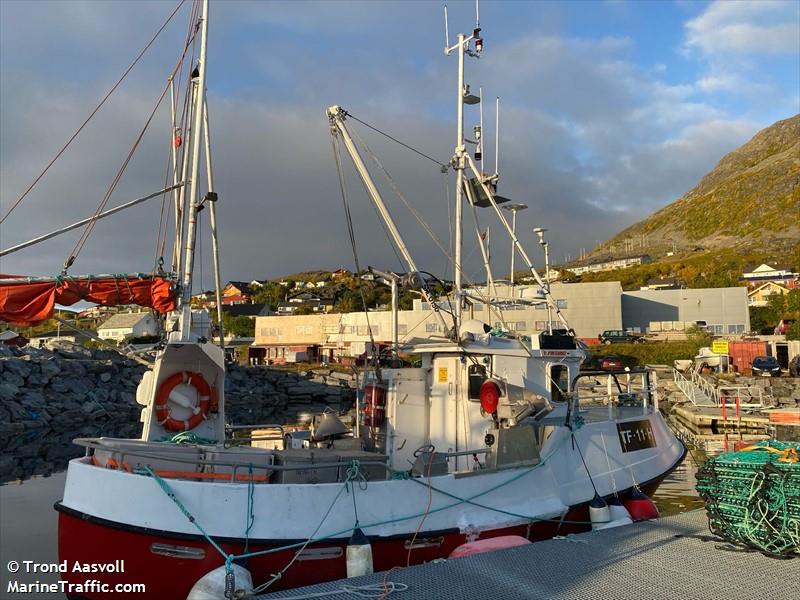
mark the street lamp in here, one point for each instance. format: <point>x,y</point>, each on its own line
<point>514,208</point>
<point>540,232</point>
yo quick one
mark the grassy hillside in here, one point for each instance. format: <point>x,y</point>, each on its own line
<point>749,202</point>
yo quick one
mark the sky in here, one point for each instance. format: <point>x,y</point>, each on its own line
<point>609,110</point>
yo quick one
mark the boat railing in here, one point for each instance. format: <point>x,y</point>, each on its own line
<point>240,470</point>
<point>611,395</point>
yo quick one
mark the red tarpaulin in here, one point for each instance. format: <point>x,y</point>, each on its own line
<point>31,302</point>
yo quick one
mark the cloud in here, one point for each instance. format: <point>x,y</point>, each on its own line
<point>762,27</point>
<point>581,123</point>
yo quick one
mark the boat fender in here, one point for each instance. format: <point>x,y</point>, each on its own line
<point>502,542</point>
<point>640,507</point>
<point>619,512</point>
<point>599,513</point>
<point>359,554</point>
<point>213,585</point>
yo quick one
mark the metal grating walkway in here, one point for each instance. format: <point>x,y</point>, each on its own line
<point>640,561</point>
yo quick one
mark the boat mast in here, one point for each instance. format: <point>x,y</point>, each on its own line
<point>193,204</point>
<point>460,156</point>
<point>212,211</point>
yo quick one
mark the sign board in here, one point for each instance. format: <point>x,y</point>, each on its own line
<point>719,347</point>
<point>442,374</point>
<point>636,435</point>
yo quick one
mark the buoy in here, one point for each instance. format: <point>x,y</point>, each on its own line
<point>359,554</point>
<point>212,585</point>
<point>599,513</point>
<point>619,515</point>
<point>640,506</point>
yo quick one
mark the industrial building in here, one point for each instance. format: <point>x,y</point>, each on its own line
<point>724,310</point>
<point>589,308</point>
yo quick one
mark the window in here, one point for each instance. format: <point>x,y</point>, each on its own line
<point>541,306</point>
<point>561,303</point>
<point>716,329</point>
<point>559,383</point>
<point>402,329</point>
<point>425,306</point>
<point>376,329</point>
<point>541,325</point>
<point>520,326</point>
<point>736,328</point>
<point>477,375</point>
<point>430,327</point>
<point>477,307</point>
<point>363,330</point>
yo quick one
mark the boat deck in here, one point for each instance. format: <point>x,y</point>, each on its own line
<point>673,557</point>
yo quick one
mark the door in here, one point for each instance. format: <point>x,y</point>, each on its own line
<point>443,403</point>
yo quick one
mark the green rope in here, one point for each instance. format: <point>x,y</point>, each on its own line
<point>353,474</point>
<point>186,437</point>
<point>753,497</point>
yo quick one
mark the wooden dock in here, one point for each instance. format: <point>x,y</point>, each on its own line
<point>673,557</point>
<point>711,417</point>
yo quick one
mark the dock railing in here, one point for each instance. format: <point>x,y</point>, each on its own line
<point>699,391</point>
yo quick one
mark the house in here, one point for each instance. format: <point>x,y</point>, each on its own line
<point>339,273</point>
<point>43,339</point>
<point>768,272</point>
<point>760,295</point>
<point>667,283</point>
<point>610,263</point>
<point>12,338</point>
<point>247,310</point>
<point>306,299</point>
<point>128,325</point>
<point>237,292</point>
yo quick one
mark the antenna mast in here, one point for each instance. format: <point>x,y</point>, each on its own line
<point>464,46</point>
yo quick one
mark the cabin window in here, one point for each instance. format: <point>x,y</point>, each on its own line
<point>559,382</point>
<point>477,375</point>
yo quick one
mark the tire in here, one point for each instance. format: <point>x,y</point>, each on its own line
<point>607,342</point>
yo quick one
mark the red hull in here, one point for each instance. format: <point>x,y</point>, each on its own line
<point>82,540</point>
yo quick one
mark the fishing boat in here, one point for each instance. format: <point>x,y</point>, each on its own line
<point>488,436</point>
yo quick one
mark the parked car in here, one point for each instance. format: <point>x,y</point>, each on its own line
<point>794,366</point>
<point>766,366</point>
<point>612,336</point>
<point>611,363</point>
<point>783,326</point>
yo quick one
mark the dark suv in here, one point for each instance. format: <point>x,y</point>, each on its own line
<point>612,336</point>
<point>766,366</point>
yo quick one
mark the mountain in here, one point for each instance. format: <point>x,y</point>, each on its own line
<point>749,202</point>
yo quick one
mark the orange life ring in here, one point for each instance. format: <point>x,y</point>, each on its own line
<point>163,414</point>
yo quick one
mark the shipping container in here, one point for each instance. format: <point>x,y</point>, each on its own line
<point>743,352</point>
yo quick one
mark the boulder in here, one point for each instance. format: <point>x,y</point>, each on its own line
<point>17,366</point>
<point>8,390</point>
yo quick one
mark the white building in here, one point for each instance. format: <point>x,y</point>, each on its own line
<point>127,325</point>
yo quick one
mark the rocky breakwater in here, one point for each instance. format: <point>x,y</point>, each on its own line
<point>258,395</point>
<point>66,388</point>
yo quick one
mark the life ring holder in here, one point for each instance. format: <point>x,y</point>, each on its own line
<point>204,395</point>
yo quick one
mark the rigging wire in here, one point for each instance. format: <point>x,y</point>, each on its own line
<point>444,166</point>
<point>351,233</point>
<point>161,242</point>
<point>420,219</point>
<point>93,113</point>
<point>90,226</point>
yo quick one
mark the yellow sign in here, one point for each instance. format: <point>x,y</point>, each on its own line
<point>442,374</point>
<point>719,347</point>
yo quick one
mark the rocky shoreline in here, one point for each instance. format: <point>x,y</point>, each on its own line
<point>69,387</point>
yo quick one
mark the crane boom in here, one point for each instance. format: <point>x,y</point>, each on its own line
<point>336,117</point>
